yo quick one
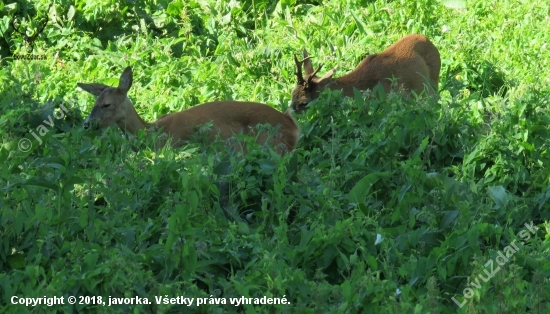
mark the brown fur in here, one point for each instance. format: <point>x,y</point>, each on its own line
<point>228,117</point>
<point>411,60</point>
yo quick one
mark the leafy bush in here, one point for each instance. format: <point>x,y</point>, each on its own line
<point>387,205</point>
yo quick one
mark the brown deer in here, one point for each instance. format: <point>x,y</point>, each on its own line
<point>228,117</point>
<point>411,61</point>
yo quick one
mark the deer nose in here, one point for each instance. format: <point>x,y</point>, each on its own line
<point>86,125</point>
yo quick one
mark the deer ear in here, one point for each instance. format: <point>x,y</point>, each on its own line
<point>94,88</point>
<point>308,66</point>
<point>125,80</point>
<point>327,78</point>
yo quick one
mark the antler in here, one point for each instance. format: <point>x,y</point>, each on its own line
<point>312,75</point>
<point>315,72</point>
<point>298,73</point>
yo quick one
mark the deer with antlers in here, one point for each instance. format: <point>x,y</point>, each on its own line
<point>413,61</point>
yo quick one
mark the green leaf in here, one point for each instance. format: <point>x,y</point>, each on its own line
<point>243,228</point>
<point>360,25</point>
<point>358,98</point>
<point>422,147</point>
<point>16,261</point>
<point>193,199</point>
<point>70,13</point>
<point>175,8</point>
<point>454,4</point>
<point>330,253</point>
<point>90,261</point>
<point>10,7</point>
<point>4,153</point>
<point>499,195</point>
<point>360,191</point>
<point>373,263</point>
<point>448,218</point>
<point>36,181</point>
<point>468,159</point>
<point>403,191</point>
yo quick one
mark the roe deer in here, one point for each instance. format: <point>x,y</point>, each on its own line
<point>411,60</point>
<point>228,117</point>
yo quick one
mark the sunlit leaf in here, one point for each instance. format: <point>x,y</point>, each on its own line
<point>454,4</point>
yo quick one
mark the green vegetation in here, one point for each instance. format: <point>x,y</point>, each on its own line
<point>388,205</point>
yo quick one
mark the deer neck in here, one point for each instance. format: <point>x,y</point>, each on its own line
<point>347,82</point>
<point>132,122</point>
<point>342,83</point>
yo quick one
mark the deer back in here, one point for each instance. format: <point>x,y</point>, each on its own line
<point>230,118</point>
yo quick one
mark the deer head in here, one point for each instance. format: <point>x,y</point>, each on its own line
<point>308,87</point>
<point>112,104</point>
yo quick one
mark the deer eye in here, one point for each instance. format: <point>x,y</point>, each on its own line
<point>106,105</point>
